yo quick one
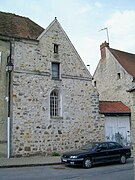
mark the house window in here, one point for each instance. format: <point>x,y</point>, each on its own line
<point>0,58</point>
<point>95,83</point>
<point>56,48</point>
<point>133,79</point>
<point>55,70</point>
<point>118,76</point>
<point>54,103</point>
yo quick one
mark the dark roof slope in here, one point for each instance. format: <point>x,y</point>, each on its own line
<point>113,107</point>
<point>127,60</point>
<point>18,26</point>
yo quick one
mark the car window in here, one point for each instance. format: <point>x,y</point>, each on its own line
<point>89,146</point>
<point>112,145</point>
<point>103,146</point>
<point>118,145</point>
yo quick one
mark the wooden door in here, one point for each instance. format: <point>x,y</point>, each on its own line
<point>117,128</point>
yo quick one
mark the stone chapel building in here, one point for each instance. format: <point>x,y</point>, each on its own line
<point>53,104</point>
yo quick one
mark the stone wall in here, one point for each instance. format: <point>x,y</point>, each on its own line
<point>132,95</point>
<point>33,130</point>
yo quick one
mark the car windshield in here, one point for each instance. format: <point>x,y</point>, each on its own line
<point>89,146</point>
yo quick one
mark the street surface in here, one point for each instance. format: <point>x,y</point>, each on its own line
<point>60,172</point>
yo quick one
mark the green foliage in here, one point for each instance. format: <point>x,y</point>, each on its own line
<point>55,154</point>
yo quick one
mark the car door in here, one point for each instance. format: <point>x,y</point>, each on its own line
<point>113,151</point>
<point>101,154</point>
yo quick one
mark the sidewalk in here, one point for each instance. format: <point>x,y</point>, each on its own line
<point>29,161</point>
<point>33,161</point>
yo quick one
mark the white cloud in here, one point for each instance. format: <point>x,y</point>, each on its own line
<point>89,51</point>
<point>98,4</point>
<point>121,27</point>
<point>84,9</point>
<point>88,7</point>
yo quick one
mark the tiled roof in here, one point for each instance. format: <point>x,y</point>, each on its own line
<point>18,26</point>
<point>113,107</point>
<point>127,60</point>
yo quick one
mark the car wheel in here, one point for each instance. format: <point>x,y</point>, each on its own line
<point>123,159</point>
<point>87,163</point>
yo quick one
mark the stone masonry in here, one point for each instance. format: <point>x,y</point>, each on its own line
<point>132,94</point>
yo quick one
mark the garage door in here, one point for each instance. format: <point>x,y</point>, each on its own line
<point>118,129</point>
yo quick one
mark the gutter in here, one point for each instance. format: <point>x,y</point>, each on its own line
<point>115,114</point>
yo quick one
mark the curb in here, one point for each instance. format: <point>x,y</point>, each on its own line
<point>29,165</point>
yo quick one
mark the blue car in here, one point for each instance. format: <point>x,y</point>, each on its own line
<point>97,152</point>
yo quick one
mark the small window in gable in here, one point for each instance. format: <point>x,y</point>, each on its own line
<point>55,70</point>
<point>95,83</point>
<point>133,79</point>
<point>56,48</point>
<point>118,76</point>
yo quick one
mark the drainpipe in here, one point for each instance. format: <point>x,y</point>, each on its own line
<point>9,69</point>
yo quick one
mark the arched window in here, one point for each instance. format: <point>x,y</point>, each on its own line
<point>54,103</point>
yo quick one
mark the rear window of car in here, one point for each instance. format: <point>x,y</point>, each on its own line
<point>89,146</point>
<point>114,145</point>
<point>119,146</point>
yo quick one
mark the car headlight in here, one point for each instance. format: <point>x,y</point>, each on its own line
<point>73,157</point>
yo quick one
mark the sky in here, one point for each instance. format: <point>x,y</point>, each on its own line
<point>82,21</point>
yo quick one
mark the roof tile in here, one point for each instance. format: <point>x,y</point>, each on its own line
<point>127,60</point>
<point>18,26</point>
<point>113,107</point>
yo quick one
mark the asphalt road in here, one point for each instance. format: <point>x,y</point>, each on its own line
<point>60,172</point>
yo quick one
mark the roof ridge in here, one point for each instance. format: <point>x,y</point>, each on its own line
<point>122,51</point>
<point>13,14</point>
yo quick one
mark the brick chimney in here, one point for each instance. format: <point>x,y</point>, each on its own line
<point>103,49</point>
